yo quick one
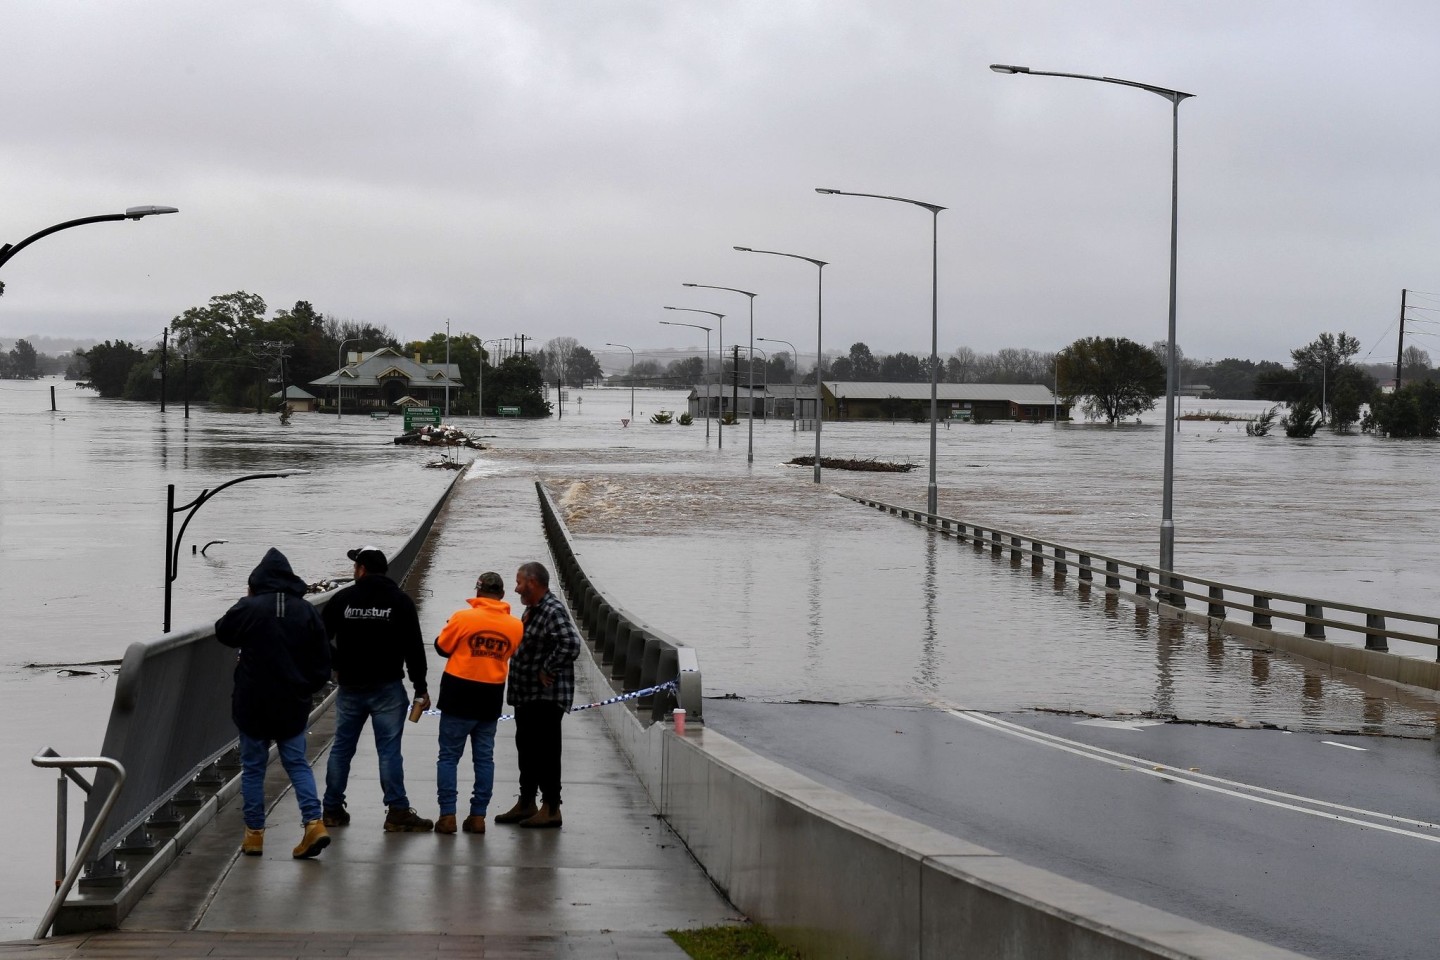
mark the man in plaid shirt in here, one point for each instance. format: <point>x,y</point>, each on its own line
<point>541,689</point>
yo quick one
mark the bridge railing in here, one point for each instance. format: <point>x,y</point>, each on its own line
<point>637,655</point>
<point>1310,617</point>
<point>171,733</point>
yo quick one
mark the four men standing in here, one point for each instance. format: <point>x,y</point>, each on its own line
<point>374,639</point>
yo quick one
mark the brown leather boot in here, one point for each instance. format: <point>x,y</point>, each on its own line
<point>473,824</point>
<point>549,816</point>
<point>254,843</point>
<point>523,810</point>
<point>316,838</point>
<point>446,823</point>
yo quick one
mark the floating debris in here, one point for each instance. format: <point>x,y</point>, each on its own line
<point>325,586</point>
<point>441,436</point>
<point>872,465</point>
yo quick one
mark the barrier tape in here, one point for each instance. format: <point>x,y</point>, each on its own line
<point>667,685</point>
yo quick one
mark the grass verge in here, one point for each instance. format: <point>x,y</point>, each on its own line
<point>748,942</point>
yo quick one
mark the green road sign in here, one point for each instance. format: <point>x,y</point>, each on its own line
<point>414,415</point>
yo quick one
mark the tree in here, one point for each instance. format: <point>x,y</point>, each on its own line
<point>1414,364</point>
<point>686,372</point>
<point>1411,411</point>
<point>1302,420</point>
<point>516,382</point>
<point>903,368</point>
<point>1117,377</point>
<point>863,365</point>
<point>225,337</point>
<point>1324,364</point>
<point>23,363</point>
<point>584,367</point>
<point>108,366</point>
<point>960,366</point>
<point>559,352</point>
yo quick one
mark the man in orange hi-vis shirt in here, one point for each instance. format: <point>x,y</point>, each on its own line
<point>477,644</point>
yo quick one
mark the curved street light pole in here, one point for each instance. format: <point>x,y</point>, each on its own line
<point>339,366</point>
<point>632,377</point>
<point>719,390</point>
<point>131,213</point>
<point>931,504</point>
<point>750,445</point>
<point>1167,521</point>
<point>676,323</point>
<point>173,539</point>
<point>794,381</point>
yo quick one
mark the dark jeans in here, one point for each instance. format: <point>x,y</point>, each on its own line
<point>537,744</point>
<point>384,706</point>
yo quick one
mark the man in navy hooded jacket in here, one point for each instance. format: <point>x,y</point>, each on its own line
<point>284,658</point>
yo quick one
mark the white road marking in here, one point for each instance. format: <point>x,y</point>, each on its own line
<point>1136,724</point>
<point>1200,781</point>
<point>1347,746</point>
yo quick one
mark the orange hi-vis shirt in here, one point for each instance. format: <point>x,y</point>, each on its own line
<point>479,642</point>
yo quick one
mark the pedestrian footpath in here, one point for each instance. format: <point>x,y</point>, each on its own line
<point>606,885</point>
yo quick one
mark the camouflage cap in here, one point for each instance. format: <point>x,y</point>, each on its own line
<point>490,582</point>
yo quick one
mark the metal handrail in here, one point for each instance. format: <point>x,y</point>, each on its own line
<point>1175,588</point>
<point>49,758</point>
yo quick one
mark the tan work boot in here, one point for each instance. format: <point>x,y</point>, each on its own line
<point>473,824</point>
<point>523,810</point>
<point>549,816</point>
<point>254,843</point>
<point>406,820</point>
<point>316,838</point>
<point>446,823</point>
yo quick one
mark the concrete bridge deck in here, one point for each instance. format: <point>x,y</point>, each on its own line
<point>606,885</point>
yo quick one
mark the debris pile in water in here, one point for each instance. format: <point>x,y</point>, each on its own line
<point>872,465</point>
<point>441,436</point>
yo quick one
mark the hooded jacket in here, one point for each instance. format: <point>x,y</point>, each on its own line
<point>477,644</point>
<point>284,656</point>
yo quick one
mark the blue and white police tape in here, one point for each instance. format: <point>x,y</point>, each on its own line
<point>667,685</point>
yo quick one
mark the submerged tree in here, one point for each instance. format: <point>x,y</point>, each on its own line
<point>1411,411</point>
<point>1115,377</point>
<point>1302,420</point>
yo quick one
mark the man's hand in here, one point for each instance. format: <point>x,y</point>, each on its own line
<point>424,701</point>
<point>545,679</point>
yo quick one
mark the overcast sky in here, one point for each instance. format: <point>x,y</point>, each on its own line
<point>560,168</point>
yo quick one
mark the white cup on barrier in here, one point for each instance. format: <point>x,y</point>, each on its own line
<point>679,717</point>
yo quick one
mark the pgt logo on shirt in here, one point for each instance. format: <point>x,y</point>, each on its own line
<point>367,613</point>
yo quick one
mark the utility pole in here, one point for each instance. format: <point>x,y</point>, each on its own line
<point>186,385</point>
<point>164,360</point>
<point>1400,347</point>
<point>522,338</point>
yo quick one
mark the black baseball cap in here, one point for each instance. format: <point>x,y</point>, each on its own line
<point>371,558</point>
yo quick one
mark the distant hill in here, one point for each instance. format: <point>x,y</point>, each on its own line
<point>51,346</point>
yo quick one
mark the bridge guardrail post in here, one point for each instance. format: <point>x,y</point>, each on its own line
<point>1313,630</point>
<point>1087,569</point>
<point>1060,567</point>
<point>1142,582</point>
<point>1261,617</point>
<point>995,543</point>
<point>1037,557</point>
<point>1375,633</point>
<point>1217,604</point>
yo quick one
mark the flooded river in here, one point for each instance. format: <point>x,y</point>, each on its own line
<point>787,591</point>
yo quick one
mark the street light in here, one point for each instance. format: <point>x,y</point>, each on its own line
<point>819,346</point>
<point>765,385</point>
<point>930,498</point>
<point>632,377</point>
<point>1167,522</point>
<point>131,213</point>
<point>480,390</point>
<point>750,447</point>
<point>676,323</point>
<point>172,539</point>
<point>794,381</point>
<point>719,392</point>
<point>340,366</point>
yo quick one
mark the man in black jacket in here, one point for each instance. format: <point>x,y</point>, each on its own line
<point>375,630</point>
<point>284,659</point>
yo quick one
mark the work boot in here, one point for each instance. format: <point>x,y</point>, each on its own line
<point>473,824</point>
<point>314,840</point>
<point>446,823</point>
<point>524,809</point>
<point>406,820</point>
<point>336,816</point>
<point>254,843</point>
<point>549,816</point>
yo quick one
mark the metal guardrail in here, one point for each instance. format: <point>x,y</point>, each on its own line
<point>637,654</point>
<point>1262,607</point>
<point>171,734</point>
<point>65,877</point>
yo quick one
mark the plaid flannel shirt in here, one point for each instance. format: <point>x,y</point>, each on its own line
<point>550,645</point>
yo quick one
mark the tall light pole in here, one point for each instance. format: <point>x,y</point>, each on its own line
<point>480,389</point>
<point>131,213</point>
<point>676,323</point>
<point>1167,522</point>
<point>794,379</point>
<point>750,446</point>
<point>765,384</point>
<point>447,368</point>
<point>339,366</point>
<point>173,539</point>
<point>719,391</point>
<point>931,505</point>
<point>632,377</point>
<point>819,338</point>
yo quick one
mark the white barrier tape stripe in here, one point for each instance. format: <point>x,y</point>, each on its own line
<point>667,685</point>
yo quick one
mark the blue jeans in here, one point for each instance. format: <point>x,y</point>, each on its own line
<point>385,706</point>
<point>254,756</point>
<point>454,731</point>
